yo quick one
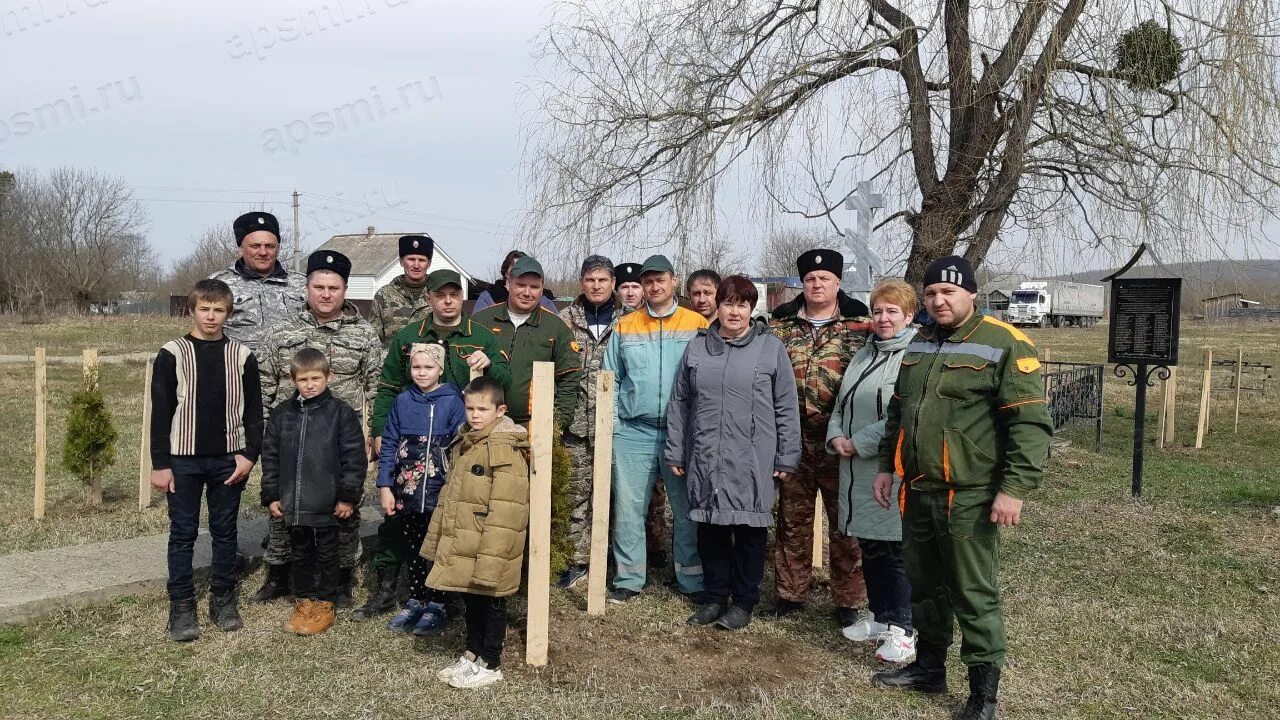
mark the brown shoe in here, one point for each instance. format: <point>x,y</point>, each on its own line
<point>301,610</point>
<point>318,619</point>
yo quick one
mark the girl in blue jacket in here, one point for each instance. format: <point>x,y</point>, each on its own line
<point>412,468</point>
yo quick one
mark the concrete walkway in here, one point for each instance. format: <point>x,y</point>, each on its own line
<point>36,583</point>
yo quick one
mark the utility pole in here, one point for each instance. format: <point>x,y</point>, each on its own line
<point>297,236</point>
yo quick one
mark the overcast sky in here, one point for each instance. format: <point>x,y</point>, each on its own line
<point>401,114</point>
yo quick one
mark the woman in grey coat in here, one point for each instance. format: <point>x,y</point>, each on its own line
<point>854,432</point>
<point>733,429</point>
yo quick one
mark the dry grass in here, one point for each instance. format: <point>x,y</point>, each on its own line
<point>1164,608</point>
<point>71,335</point>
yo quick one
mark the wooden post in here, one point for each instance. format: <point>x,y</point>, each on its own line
<point>1239,370</point>
<point>1048,357</point>
<point>144,444</point>
<point>1202,425</point>
<point>817,532</point>
<point>1171,424</point>
<point>602,479</point>
<point>541,426</point>
<point>91,382</point>
<point>41,439</point>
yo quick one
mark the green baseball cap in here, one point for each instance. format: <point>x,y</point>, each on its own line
<point>439,278</point>
<point>526,266</point>
<point>657,263</point>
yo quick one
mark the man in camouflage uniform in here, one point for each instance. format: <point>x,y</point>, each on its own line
<point>330,324</point>
<point>404,299</point>
<point>591,317</point>
<point>822,330</point>
<point>265,293</point>
<point>968,431</point>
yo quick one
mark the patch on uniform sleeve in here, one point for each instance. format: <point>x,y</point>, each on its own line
<point>1028,364</point>
<point>574,346</point>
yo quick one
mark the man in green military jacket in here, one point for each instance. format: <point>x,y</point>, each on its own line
<point>968,430</point>
<point>530,333</point>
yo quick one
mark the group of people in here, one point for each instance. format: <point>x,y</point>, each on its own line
<point>917,443</point>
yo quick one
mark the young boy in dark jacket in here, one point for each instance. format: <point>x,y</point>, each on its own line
<point>313,468</point>
<point>206,431</point>
<point>412,467</point>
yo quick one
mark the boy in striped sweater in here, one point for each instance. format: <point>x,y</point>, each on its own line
<point>206,434</point>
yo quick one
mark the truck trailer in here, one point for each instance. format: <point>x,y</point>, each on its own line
<point>1055,302</point>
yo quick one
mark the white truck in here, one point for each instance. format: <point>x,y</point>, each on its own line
<point>1057,303</point>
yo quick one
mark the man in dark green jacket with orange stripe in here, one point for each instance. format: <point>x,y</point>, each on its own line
<point>968,430</point>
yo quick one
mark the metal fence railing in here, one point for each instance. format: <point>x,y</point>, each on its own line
<point>1074,394</point>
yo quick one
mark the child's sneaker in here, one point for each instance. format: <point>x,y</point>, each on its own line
<point>475,675</point>
<point>407,619</point>
<point>866,628</point>
<point>896,646</point>
<point>431,622</point>
<point>464,662</point>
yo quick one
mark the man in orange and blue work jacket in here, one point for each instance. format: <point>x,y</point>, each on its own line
<point>968,430</point>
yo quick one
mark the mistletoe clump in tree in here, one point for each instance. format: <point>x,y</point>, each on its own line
<point>1072,123</point>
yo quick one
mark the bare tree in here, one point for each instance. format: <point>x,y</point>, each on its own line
<point>1084,121</point>
<point>214,250</point>
<point>779,251</point>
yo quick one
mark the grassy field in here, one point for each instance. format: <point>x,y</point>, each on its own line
<point>1163,608</point>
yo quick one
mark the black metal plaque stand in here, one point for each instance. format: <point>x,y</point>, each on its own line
<point>1142,339</point>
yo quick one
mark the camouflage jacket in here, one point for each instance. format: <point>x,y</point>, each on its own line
<point>395,305</point>
<point>584,416</point>
<point>261,302</point>
<point>819,356</point>
<point>355,356</point>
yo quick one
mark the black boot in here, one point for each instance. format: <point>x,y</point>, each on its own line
<point>383,597</point>
<point>183,626</point>
<point>984,684</point>
<point>275,586</point>
<point>223,611</point>
<point>345,597</point>
<point>928,674</point>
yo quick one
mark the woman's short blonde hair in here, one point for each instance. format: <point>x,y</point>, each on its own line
<point>895,292</point>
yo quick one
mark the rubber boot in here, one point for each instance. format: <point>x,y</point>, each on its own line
<point>275,586</point>
<point>223,611</point>
<point>382,599</point>
<point>928,674</point>
<point>183,626</point>
<point>345,596</point>
<point>984,685</point>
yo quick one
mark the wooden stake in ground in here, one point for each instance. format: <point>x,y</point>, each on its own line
<point>817,532</point>
<point>1202,425</point>
<point>1239,370</point>
<point>91,382</point>
<point>41,438</point>
<point>541,426</point>
<point>144,445</point>
<point>1170,428</point>
<point>602,478</point>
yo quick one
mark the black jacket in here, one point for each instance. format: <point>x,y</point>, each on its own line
<point>313,457</point>
<point>849,307</point>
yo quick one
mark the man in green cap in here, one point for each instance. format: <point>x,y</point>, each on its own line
<point>968,431</point>
<point>468,347</point>
<point>529,333</point>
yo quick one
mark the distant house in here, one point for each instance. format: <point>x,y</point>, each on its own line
<point>375,261</point>
<point>1220,306</point>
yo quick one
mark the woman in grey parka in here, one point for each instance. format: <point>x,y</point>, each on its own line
<point>733,429</point>
<point>854,433</point>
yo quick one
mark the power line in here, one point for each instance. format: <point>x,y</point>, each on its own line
<point>409,212</point>
<point>212,190</point>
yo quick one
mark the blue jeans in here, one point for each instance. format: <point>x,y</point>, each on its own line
<point>194,475</point>
<point>637,467</point>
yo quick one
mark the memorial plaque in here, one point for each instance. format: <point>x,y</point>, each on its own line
<point>1144,321</point>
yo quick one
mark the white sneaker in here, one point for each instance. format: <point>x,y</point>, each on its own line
<point>475,675</point>
<point>896,646</point>
<point>865,629</point>
<point>467,660</point>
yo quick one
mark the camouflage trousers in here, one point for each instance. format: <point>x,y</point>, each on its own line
<point>581,488</point>
<point>793,548</point>
<point>280,548</point>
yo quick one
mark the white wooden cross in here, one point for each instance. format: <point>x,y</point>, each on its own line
<point>863,262</point>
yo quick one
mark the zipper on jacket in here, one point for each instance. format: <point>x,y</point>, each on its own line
<point>915,421</point>
<point>297,472</point>
<point>848,427</point>
<point>431,429</point>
